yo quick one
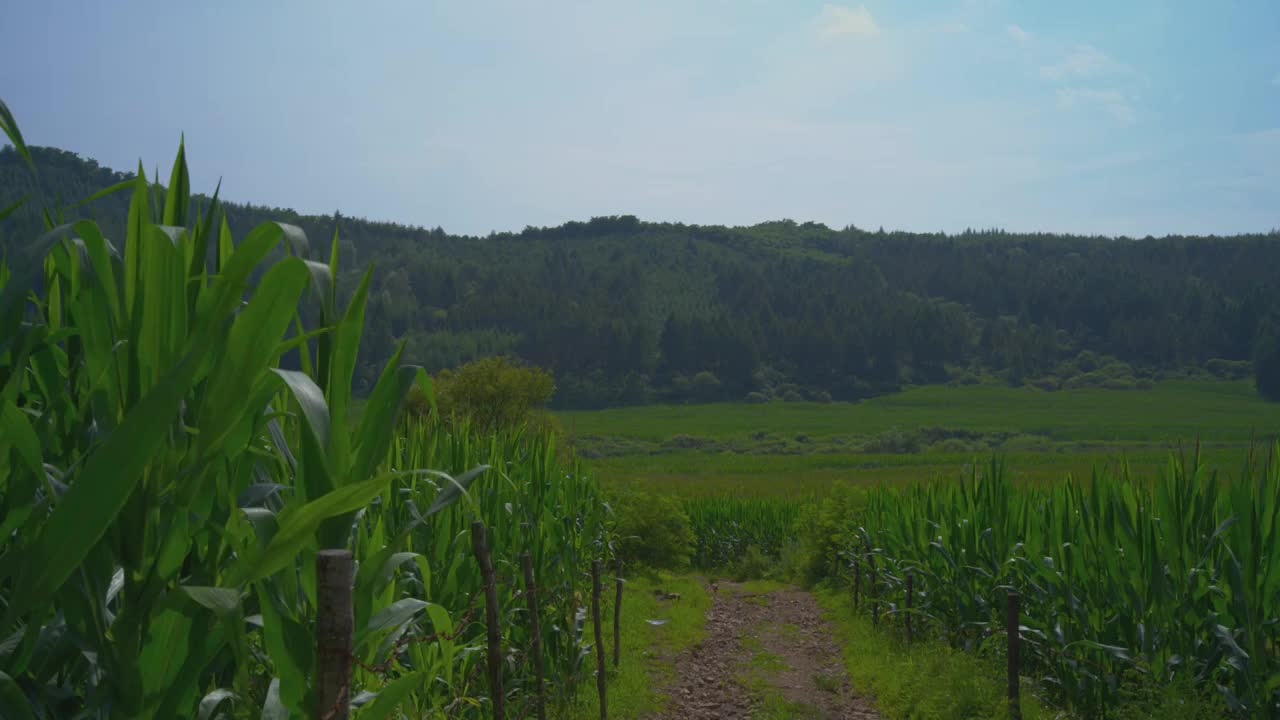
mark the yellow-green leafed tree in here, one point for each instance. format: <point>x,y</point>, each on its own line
<point>493,394</point>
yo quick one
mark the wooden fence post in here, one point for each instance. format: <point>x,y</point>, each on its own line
<point>531,595</point>
<point>617,618</point>
<point>1015,656</point>
<point>480,546</point>
<point>909,593</point>
<point>595,615</point>
<point>335,572</point>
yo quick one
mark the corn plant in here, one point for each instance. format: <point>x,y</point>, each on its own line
<point>165,483</point>
<point>725,526</point>
<point>1125,582</point>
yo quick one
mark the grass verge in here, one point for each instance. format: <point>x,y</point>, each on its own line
<point>648,650</point>
<point>925,680</point>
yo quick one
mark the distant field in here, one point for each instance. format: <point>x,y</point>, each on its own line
<point>801,448</point>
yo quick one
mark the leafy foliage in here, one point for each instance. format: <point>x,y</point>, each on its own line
<point>492,394</point>
<point>165,484</point>
<point>1126,584</point>
<point>651,530</point>
<point>622,311</point>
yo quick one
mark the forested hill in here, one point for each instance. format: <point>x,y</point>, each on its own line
<point>624,311</point>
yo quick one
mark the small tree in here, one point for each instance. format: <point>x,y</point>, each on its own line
<point>496,393</point>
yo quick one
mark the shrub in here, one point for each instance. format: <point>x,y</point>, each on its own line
<point>756,398</point>
<point>753,565</point>
<point>893,441</point>
<point>951,445</point>
<point>492,394</point>
<point>651,530</point>
<point>1229,369</point>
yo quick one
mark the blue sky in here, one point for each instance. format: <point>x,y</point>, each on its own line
<point>1135,117</point>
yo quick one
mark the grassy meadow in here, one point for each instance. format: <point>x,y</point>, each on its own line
<point>798,449</point>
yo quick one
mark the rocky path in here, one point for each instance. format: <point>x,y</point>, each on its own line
<point>766,656</point>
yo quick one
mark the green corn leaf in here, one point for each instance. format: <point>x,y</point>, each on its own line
<point>394,694</point>
<point>12,208</point>
<point>296,240</point>
<point>88,508</point>
<point>377,423</point>
<point>109,190</point>
<point>178,197</point>
<point>24,274</point>
<point>215,699</point>
<point>17,430</point>
<point>11,131</point>
<point>453,489</point>
<point>392,616</point>
<point>292,651</point>
<point>297,526</point>
<point>310,399</point>
<point>272,707</point>
<point>169,643</point>
<point>108,477</point>
<point>220,600</point>
<point>250,349</point>
<point>340,369</point>
<point>13,703</point>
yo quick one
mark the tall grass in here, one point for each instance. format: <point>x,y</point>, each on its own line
<point>165,484</point>
<point>1128,584</point>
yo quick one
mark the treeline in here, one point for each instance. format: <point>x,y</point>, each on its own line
<point>624,311</point>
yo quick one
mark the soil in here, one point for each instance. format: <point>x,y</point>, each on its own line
<point>766,655</point>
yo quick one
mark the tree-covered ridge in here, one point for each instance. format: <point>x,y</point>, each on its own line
<point>625,311</point>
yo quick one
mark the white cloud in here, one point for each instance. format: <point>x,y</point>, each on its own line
<point>1083,61</point>
<point>1112,102</point>
<point>1018,34</point>
<point>838,20</point>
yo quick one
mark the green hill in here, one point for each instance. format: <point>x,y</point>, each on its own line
<point>624,311</point>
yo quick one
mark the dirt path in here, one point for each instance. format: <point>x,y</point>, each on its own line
<point>767,655</point>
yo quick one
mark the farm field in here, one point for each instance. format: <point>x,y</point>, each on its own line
<point>797,449</point>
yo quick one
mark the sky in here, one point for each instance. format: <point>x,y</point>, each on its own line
<point>1095,117</point>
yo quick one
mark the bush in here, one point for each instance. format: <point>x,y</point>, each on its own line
<point>1229,369</point>
<point>756,398</point>
<point>493,394</point>
<point>893,441</point>
<point>651,530</point>
<point>754,565</point>
<point>951,445</point>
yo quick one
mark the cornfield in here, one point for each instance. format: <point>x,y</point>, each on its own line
<point>1125,582</point>
<point>725,527</point>
<point>165,484</point>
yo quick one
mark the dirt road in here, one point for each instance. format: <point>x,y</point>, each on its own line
<point>767,655</point>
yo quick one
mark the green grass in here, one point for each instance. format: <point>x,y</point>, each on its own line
<point>801,449</point>
<point>925,680</point>
<point>800,476</point>
<point>648,651</point>
<point>1217,410</point>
